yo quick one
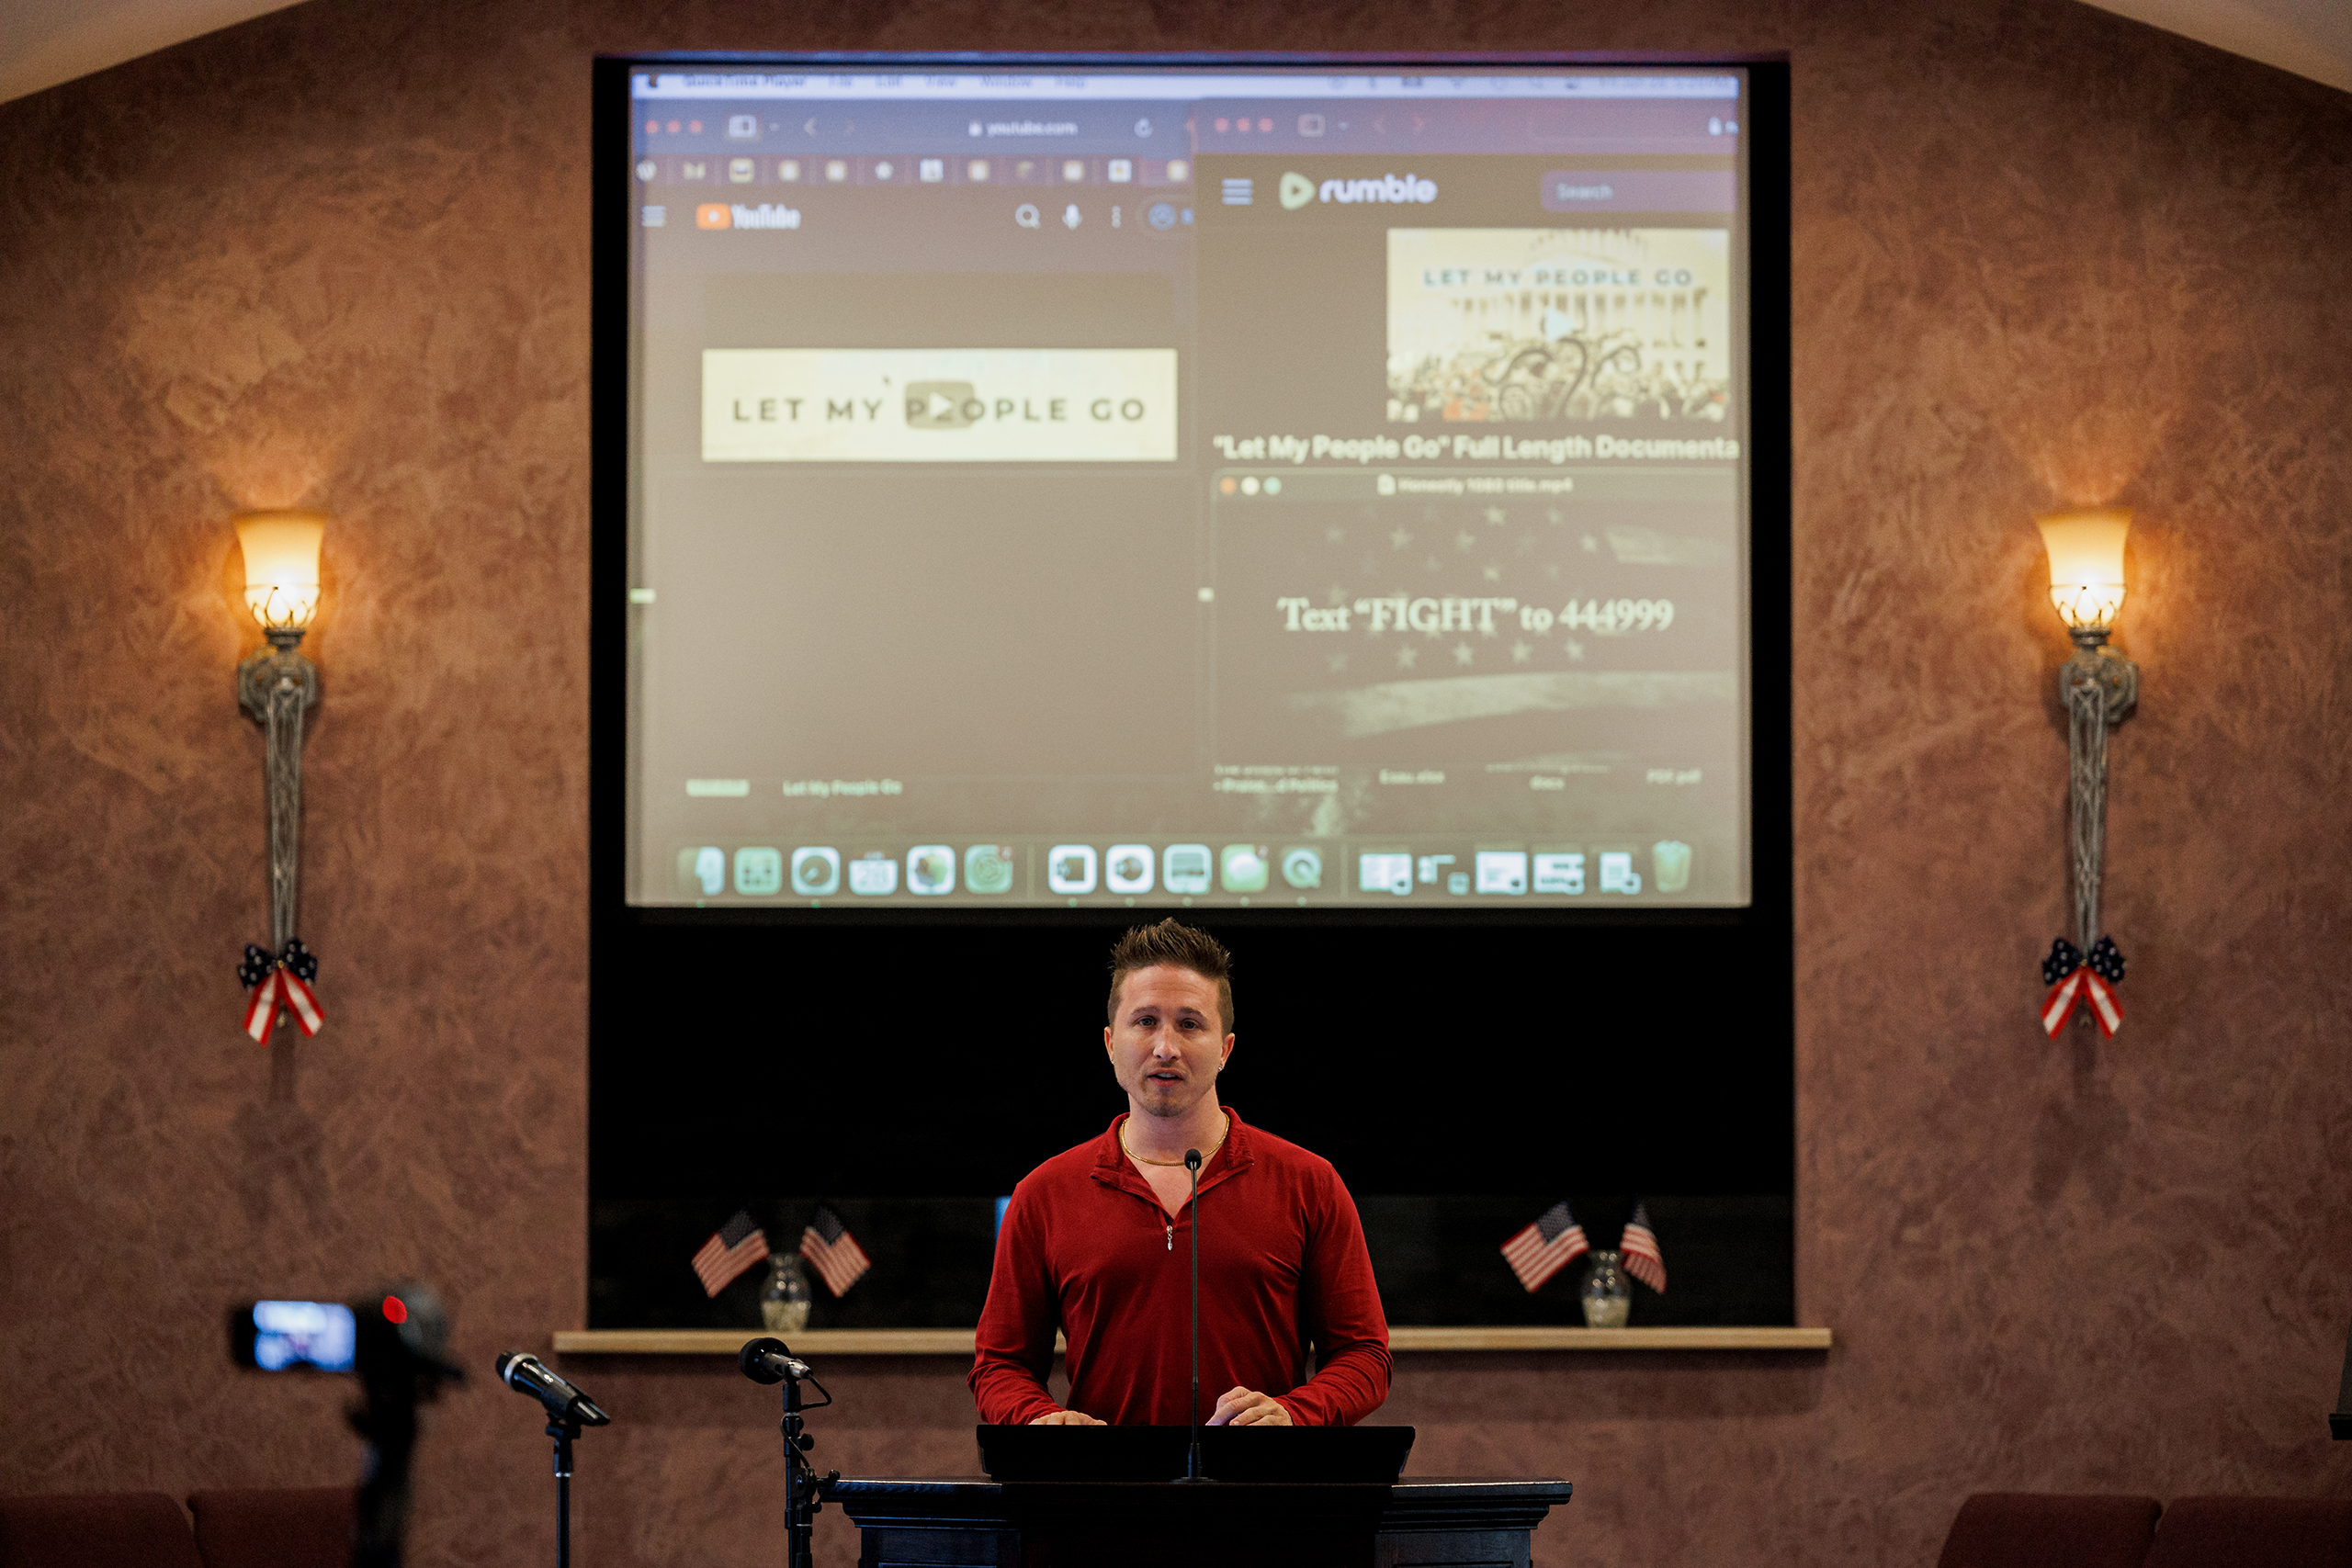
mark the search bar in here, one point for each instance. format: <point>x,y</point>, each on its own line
<point>1641,190</point>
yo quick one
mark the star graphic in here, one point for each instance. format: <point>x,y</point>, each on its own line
<point>1407,656</point>
<point>1555,516</point>
<point>1520,652</point>
<point>1527,544</point>
<point>1463,653</point>
<point>1494,574</point>
<point>1592,545</point>
<point>1335,594</point>
<point>1575,650</point>
<point>1463,541</point>
<point>1338,662</point>
<point>1552,571</point>
<point>1496,515</point>
<point>1435,564</point>
<point>1334,534</point>
<point>1399,538</point>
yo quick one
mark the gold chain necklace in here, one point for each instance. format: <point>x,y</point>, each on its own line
<point>1205,1158</point>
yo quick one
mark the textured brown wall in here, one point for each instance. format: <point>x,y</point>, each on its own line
<point>339,255</point>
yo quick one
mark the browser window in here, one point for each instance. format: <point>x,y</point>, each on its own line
<point>1165,489</point>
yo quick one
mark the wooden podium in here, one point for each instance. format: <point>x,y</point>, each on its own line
<point>1164,1524</point>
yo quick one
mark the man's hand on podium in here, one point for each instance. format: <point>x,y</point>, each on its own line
<point>1067,1418</point>
<point>1247,1407</point>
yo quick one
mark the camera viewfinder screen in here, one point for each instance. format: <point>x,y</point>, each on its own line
<point>1161,488</point>
<point>319,1336</point>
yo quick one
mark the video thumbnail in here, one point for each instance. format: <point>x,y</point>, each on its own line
<point>1559,325</point>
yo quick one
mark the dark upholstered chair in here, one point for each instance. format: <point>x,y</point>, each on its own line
<point>2032,1529</point>
<point>277,1528</point>
<point>2253,1532</point>
<point>95,1530</point>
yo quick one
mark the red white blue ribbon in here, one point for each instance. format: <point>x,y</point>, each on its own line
<point>2085,982</point>
<point>279,980</point>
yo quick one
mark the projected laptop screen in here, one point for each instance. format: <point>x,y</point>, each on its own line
<point>1161,488</point>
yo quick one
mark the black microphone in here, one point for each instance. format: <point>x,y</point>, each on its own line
<point>771,1360</point>
<point>1193,1455</point>
<point>529,1374</point>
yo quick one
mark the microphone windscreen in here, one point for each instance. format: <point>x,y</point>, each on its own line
<point>1192,1160</point>
<point>752,1361</point>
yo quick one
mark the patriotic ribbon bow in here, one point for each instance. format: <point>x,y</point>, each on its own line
<point>280,979</point>
<point>2076,981</point>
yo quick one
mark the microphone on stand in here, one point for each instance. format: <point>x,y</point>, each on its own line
<point>529,1374</point>
<point>770,1360</point>
<point>1193,1454</point>
<point>568,1410</point>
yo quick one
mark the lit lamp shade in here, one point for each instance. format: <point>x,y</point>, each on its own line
<point>282,566</point>
<point>2087,564</point>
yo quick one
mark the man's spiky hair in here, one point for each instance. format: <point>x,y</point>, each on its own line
<point>1179,947</point>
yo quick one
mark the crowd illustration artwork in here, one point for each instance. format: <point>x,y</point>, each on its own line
<point>1520,326</point>
<point>1573,376</point>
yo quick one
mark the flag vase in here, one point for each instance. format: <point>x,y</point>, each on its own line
<point>784,1299</point>
<point>1606,1295</point>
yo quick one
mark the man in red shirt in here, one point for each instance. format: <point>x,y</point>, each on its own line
<point>1096,1241</point>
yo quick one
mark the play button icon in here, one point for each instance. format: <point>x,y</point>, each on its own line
<point>1296,191</point>
<point>942,405</point>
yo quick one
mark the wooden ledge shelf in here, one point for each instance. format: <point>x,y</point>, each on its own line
<point>958,1341</point>
<point>1566,1339</point>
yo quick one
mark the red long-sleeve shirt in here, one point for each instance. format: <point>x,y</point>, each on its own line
<point>1086,1248</point>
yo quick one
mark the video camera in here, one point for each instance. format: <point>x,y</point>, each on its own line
<point>401,1331</point>
<point>395,1344</point>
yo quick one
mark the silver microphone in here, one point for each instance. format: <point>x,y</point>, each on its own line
<point>527,1374</point>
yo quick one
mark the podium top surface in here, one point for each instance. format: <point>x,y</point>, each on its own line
<point>1434,1488</point>
<point>1022,1453</point>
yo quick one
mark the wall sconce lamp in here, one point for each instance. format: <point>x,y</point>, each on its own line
<point>2100,687</point>
<point>276,686</point>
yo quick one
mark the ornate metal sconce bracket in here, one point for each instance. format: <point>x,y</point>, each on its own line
<point>277,687</point>
<point>2100,687</point>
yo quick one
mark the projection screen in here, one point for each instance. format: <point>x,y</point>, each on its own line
<point>1293,489</point>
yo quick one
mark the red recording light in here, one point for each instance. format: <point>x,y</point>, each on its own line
<point>395,1310</point>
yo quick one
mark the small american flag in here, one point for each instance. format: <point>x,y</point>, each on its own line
<point>1643,1261</point>
<point>1545,1247</point>
<point>733,1247</point>
<point>827,1244</point>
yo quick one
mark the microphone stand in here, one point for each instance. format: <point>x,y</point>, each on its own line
<point>563,1429</point>
<point>803,1493</point>
<point>566,1416</point>
<point>1193,1454</point>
